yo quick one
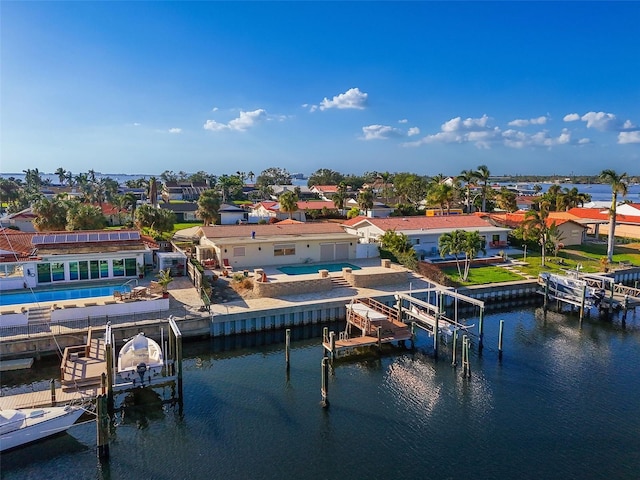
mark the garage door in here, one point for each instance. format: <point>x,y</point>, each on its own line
<point>327,252</point>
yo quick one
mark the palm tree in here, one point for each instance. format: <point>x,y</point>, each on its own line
<point>468,177</point>
<point>208,206</point>
<point>471,245</point>
<point>288,202</point>
<point>618,186</point>
<point>340,197</point>
<point>451,244</point>
<point>441,194</point>
<point>483,174</point>
<point>153,191</point>
<point>62,174</point>
<point>365,200</point>
<point>535,227</point>
<point>51,215</point>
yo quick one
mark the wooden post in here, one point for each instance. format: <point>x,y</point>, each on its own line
<point>464,356</point>
<point>583,302</point>
<point>287,343</point>
<point>103,383</point>
<point>379,333</point>
<point>108,353</point>
<point>435,335</point>
<point>332,343</point>
<point>468,361</point>
<point>325,383</point>
<point>500,336</point>
<point>179,362</point>
<point>625,306</point>
<point>102,425</point>
<point>481,331</point>
<point>454,360</point>
<point>613,286</point>
<point>52,384</point>
<point>413,335</point>
<point>546,293</point>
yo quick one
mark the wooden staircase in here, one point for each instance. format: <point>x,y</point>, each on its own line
<point>39,315</point>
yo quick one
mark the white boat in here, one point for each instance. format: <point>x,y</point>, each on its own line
<point>140,360</point>
<point>571,288</point>
<point>19,427</point>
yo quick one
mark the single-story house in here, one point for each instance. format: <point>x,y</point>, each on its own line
<point>571,229</point>
<point>22,220</point>
<point>379,209</point>
<point>189,191</point>
<point>37,259</point>
<point>184,212</point>
<point>325,192</point>
<point>597,219</point>
<point>232,214</point>
<point>424,232</point>
<point>255,246</point>
<point>271,210</point>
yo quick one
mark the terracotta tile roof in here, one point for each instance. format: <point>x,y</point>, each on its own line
<point>326,188</point>
<point>289,221</point>
<point>315,205</point>
<point>276,229</point>
<point>515,219</point>
<point>600,214</point>
<point>15,243</point>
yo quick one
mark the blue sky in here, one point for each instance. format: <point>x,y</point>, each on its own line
<point>425,87</point>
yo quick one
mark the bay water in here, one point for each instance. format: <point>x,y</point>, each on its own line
<point>564,402</point>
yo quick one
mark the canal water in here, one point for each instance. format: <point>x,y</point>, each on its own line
<point>564,402</point>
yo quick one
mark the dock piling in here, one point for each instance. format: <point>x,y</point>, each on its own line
<point>480,332</point>
<point>287,346</point>
<point>325,383</point>
<point>454,360</point>
<point>500,337</point>
<point>583,301</point>
<point>52,385</point>
<point>102,425</point>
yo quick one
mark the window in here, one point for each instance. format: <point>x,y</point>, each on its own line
<point>57,271</point>
<point>104,268</point>
<point>11,270</point>
<point>130,267</point>
<point>238,251</point>
<point>495,238</point>
<point>44,273</point>
<point>84,270</point>
<point>73,271</point>
<point>284,249</point>
<point>416,241</point>
<point>118,267</point>
<point>94,269</point>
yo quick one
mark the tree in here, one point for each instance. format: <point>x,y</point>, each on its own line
<point>506,200</point>
<point>208,206</point>
<point>399,245</point>
<point>534,227</point>
<point>62,174</point>
<point>483,174</point>
<point>51,215</point>
<point>451,244</point>
<point>410,188</point>
<point>340,197</point>
<point>274,176</point>
<point>469,177</point>
<point>85,217</point>
<point>441,194</point>
<point>325,176</point>
<point>365,200</point>
<point>153,191</point>
<point>618,186</point>
<point>555,238</point>
<point>158,219</point>
<point>472,244</point>
<point>288,203</point>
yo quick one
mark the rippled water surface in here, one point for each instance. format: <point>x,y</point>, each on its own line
<point>563,403</point>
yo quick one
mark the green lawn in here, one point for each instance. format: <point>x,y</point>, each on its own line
<point>482,275</point>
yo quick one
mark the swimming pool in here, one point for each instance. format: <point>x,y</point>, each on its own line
<point>58,294</point>
<point>314,268</point>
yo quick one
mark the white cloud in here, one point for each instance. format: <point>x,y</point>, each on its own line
<point>380,132</point>
<point>532,121</point>
<point>175,130</point>
<point>404,120</point>
<point>628,125</point>
<point>468,124</point>
<point>245,121</point>
<point>516,139</point>
<point>571,117</point>
<point>629,137</point>
<point>601,121</point>
<point>583,141</point>
<point>214,109</point>
<point>413,131</point>
<point>352,99</point>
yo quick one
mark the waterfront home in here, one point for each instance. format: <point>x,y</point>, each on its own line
<point>232,214</point>
<point>184,211</point>
<point>189,191</point>
<point>378,210</point>
<point>37,259</point>
<point>571,228</point>
<point>597,219</point>
<point>325,192</point>
<point>424,232</point>
<point>22,220</point>
<point>270,211</point>
<point>255,246</point>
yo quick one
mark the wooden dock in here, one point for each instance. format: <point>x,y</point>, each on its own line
<point>376,323</point>
<point>82,366</point>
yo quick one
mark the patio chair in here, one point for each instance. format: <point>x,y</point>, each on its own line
<point>225,263</point>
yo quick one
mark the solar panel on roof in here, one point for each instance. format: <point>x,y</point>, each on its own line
<point>37,239</point>
<point>72,237</point>
<point>134,235</point>
<point>124,235</point>
<point>103,237</point>
<point>49,239</point>
<point>92,237</point>
<point>60,238</point>
<point>82,237</point>
<point>114,236</point>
